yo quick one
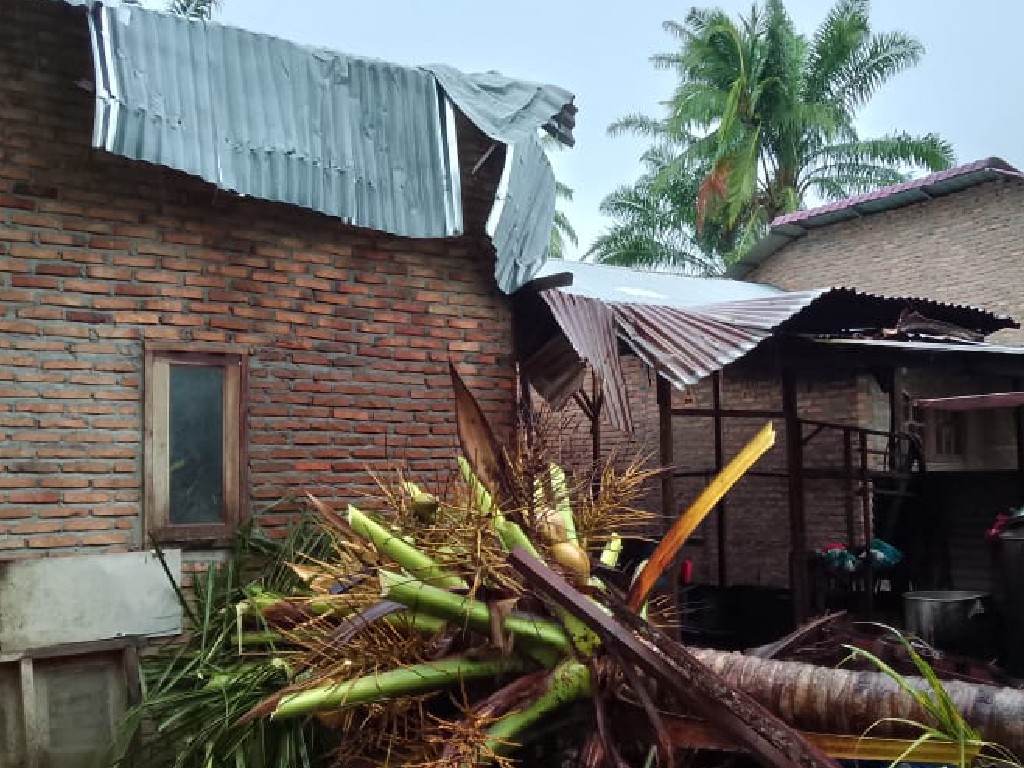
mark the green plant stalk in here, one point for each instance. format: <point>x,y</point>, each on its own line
<point>423,598</point>
<point>413,560</point>
<point>512,536</point>
<point>412,621</point>
<point>612,550</point>
<point>412,680</point>
<point>569,681</point>
<point>484,502</point>
<point>562,504</point>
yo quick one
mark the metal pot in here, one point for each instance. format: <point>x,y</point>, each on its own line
<point>949,620</point>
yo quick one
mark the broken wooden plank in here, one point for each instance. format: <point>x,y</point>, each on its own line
<point>689,733</point>
<point>764,735</point>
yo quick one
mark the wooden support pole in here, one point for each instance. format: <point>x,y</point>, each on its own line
<point>848,490</point>
<point>795,474</point>
<point>720,517</point>
<point>865,491</point>
<point>665,451</point>
<point>1018,431</point>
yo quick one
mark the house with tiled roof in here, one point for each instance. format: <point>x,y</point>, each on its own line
<point>956,235</point>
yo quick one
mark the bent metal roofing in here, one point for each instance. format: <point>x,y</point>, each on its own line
<point>685,328</point>
<point>370,142</point>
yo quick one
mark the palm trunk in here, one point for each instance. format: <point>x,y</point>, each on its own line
<point>847,702</point>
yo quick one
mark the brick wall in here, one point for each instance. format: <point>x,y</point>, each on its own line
<point>348,331</point>
<point>966,247</point>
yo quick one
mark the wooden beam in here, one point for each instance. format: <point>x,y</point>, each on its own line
<point>688,733</point>
<point>795,472</point>
<point>865,502</point>
<point>720,518</point>
<point>769,740</point>
<point>665,450</point>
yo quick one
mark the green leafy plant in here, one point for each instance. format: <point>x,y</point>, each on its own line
<point>946,723</point>
<point>196,688</point>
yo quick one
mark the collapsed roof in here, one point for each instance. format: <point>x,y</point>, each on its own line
<point>370,142</point>
<point>686,328</point>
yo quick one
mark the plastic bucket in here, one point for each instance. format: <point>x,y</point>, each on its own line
<point>947,619</point>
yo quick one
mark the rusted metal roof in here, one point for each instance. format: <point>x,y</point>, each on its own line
<point>785,229</point>
<point>589,324</point>
<point>661,318</point>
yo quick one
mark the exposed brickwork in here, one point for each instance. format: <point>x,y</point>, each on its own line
<point>966,247</point>
<point>349,331</point>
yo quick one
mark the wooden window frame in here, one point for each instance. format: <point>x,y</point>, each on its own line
<point>156,513</point>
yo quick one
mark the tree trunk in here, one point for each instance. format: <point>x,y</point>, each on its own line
<point>842,701</point>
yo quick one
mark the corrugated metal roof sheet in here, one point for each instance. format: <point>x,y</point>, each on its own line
<point>370,142</point>
<point>664,322</point>
<point>609,283</point>
<point>589,324</point>
<point>789,227</point>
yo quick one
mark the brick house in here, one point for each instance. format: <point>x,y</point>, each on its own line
<point>955,236</point>
<point>175,357</point>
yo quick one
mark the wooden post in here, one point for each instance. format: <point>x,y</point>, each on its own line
<point>596,406</point>
<point>795,474</point>
<point>865,485</point>
<point>851,526</point>
<point>665,451</point>
<point>668,496</point>
<point>34,737</point>
<point>720,519</point>
<point>1018,431</point>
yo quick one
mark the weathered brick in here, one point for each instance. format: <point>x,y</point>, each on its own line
<point>128,252</point>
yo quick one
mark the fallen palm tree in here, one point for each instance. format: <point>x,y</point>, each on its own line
<point>454,627</point>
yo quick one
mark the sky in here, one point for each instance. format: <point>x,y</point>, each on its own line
<point>967,88</point>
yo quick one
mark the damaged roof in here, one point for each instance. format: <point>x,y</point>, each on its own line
<point>686,328</point>
<point>370,142</point>
<point>785,229</point>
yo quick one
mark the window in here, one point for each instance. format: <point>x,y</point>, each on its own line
<point>195,422</point>
<point>949,433</point>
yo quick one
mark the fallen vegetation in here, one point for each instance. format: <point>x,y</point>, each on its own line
<point>458,626</point>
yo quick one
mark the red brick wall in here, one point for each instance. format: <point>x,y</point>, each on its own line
<point>966,247</point>
<point>348,331</point>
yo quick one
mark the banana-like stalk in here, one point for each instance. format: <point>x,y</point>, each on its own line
<point>569,681</point>
<point>544,640</point>
<point>406,555</point>
<point>396,683</point>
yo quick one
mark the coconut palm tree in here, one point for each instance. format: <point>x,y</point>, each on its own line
<point>654,222</point>
<point>769,114</point>
<point>562,231</point>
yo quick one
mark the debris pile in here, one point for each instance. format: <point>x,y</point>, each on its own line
<point>460,625</point>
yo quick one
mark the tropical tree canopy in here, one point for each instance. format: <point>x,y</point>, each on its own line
<point>763,120</point>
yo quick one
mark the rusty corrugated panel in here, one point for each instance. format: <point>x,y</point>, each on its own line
<point>556,371</point>
<point>589,325</point>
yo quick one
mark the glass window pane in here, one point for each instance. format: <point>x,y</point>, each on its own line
<point>196,444</point>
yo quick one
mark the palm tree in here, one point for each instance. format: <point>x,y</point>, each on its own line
<point>767,115</point>
<point>654,222</point>
<point>562,231</point>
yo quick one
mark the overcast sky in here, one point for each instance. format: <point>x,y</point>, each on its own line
<point>968,88</point>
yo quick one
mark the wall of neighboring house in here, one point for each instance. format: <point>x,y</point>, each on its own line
<point>964,248</point>
<point>347,333</point>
